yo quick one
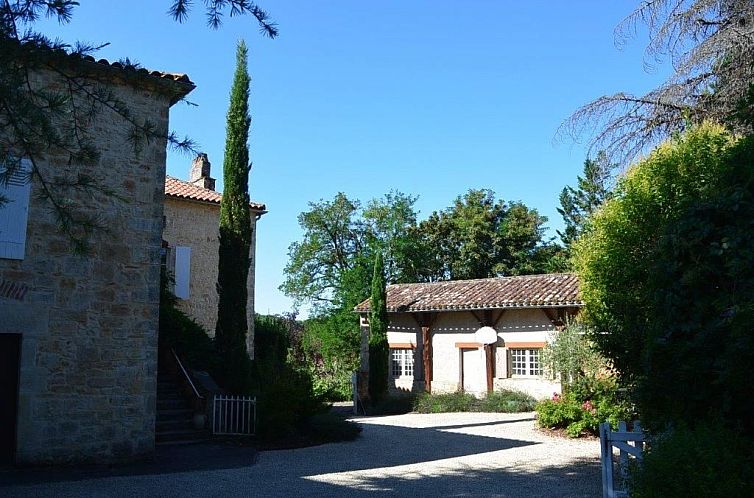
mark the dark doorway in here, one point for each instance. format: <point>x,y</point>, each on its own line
<point>10,357</point>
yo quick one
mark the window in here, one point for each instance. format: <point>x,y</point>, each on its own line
<point>402,362</point>
<point>526,362</point>
<point>182,273</point>
<point>15,211</point>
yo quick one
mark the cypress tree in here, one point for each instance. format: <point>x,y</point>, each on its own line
<point>235,232</point>
<point>378,321</point>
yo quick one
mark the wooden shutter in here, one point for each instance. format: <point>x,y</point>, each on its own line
<point>14,214</point>
<point>182,271</point>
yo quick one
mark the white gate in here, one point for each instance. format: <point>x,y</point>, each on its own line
<point>620,439</point>
<point>234,415</point>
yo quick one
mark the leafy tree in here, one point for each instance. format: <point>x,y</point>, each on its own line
<point>710,46</point>
<point>666,273</point>
<point>577,204</point>
<point>391,229</point>
<point>235,227</point>
<point>572,355</point>
<point>39,121</point>
<point>479,236</point>
<point>318,265</point>
<point>378,323</point>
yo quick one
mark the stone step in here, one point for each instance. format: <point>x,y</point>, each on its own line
<point>173,425</point>
<point>180,435</point>
<point>175,414</point>
<point>172,404</point>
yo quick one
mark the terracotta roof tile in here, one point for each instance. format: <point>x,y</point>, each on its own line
<point>185,190</point>
<point>527,291</point>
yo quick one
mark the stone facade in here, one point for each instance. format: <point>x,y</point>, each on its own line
<point>195,224</point>
<point>88,324</point>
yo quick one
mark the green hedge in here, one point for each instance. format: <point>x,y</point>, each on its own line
<point>503,401</point>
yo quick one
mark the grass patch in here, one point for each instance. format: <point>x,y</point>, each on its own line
<point>503,401</point>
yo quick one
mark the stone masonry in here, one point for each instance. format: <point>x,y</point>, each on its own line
<point>89,323</point>
<point>195,223</point>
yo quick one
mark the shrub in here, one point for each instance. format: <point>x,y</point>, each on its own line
<point>506,401</point>
<point>708,461</point>
<point>284,389</point>
<point>580,410</point>
<point>393,405</point>
<point>446,402</point>
<point>330,428</point>
<point>503,401</point>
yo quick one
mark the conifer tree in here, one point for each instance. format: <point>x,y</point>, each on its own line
<point>378,345</point>
<point>577,204</point>
<point>235,228</point>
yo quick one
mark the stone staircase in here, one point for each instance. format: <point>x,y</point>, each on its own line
<point>174,423</point>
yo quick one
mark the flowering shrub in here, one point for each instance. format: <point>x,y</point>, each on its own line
<point>580,410</point>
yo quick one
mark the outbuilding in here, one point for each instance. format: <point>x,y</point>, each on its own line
<point>473,335</point>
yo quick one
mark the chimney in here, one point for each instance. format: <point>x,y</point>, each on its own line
<point>200,167</point>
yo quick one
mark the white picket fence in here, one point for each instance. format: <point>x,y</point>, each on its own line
<point>234,415</point>
<point>629,444</point>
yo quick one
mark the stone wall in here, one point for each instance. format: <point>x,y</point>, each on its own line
<point>89,324</point>
<point>195,224</point>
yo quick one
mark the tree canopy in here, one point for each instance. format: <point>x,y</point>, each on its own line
<point>666,275</point>
<point>592,190</point>
<point>710,45</point>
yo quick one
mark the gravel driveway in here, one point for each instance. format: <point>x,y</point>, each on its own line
<point>451,454</point>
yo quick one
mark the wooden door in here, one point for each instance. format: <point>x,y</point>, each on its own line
<point>474,379</point>
<point>10,357</point>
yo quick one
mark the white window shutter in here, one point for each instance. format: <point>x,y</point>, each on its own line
<point>14,214</point>
<point>182,271</point>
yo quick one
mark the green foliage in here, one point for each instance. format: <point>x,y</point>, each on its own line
<point>378,345</point>
<point>327,427</point>
<point>668,272</point>
<point>479,236</point>
<point>572,355</point>
<point>447,402</point>
<point>592,190</point>
<point>708,461</point>
<point>180,332</point>
<point>614,257</point>
<point>393,405</point>
<point>587,403</point>
<point>285,396</point>
<point>503,401</point>
<point>235,231</point>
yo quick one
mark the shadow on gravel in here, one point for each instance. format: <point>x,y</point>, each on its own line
<point>580,478</point>
<point>167,460</point>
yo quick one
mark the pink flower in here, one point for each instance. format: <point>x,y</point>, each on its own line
<point>555,397</point>
<point>588,406</point>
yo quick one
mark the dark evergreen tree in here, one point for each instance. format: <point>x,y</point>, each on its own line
<point>577,204</point>
<point>235,228</point>
<point>378,322</point>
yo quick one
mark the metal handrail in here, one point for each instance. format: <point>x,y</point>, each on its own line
<point>185,374</point>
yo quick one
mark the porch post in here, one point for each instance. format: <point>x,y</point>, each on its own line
<point>427,357</point>
<point>489,354</point>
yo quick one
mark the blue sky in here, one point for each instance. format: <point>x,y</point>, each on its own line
<point>425,97</point>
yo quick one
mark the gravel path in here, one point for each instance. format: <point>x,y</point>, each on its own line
<point>452,454</point>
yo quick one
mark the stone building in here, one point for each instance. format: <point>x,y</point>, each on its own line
<point>473,335</point>
<point>78,334</point>
<point>191,236</point>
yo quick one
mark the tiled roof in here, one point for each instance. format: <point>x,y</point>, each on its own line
<point>178,84</point>
<point>528,291</point>
<point>185,190</point>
